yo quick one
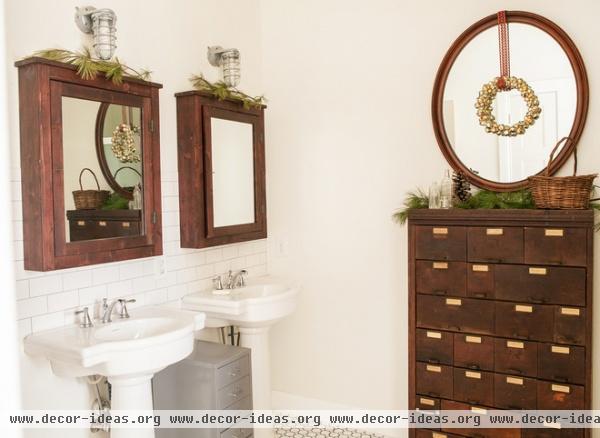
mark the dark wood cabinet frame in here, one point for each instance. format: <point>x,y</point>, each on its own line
<point>42,84</point>
<point>437,100</point>
<point>194,112</point>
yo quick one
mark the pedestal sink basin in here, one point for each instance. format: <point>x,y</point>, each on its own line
<point>253,308</point>
<point>127,351</point>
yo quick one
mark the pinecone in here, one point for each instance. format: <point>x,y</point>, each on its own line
<point>461,189</point>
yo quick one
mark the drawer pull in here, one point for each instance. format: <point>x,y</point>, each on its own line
<point>472,375</point>
<point>102,223</point>
<point>125,224</point>
<point>440,231</point>
<point>481,268</point>
<point>569,311</point>
<point>523,309</point>
<point>515,344</point>
<point>538,271</point>
<point>473,339</point>
<point>81,223</point>
<point>554,232</point>
<point>427,401</point>
<point>438,435</point>
<point>440,265</point>
<point>551,425</point>
<point>561,388</point>
<point>494,231</point>
<point>560,350</point>
<point>514,380</point>
<point>434,335</point>
<point>477,410</point>
<point>453,302</point>
<point>433,368</point>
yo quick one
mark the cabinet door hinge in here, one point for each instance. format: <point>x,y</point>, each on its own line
<point>154,217</point>
<point>151,125</point>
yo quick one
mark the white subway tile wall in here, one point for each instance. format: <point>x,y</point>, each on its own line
<point>49,300</point>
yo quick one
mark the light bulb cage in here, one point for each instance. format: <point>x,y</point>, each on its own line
<point>101,24</point>
<point>229,61</point>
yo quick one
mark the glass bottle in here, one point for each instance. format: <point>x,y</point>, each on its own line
<point>434,195</point>
<point>446,191</point>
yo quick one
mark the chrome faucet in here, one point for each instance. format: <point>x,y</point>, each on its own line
<point>236,280</point>
<point>107,309</point>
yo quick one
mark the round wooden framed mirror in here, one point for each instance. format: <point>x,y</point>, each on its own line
<point>547,59</point>
<point>121,166</point>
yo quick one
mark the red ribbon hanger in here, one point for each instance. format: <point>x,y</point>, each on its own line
<point>504,49</point>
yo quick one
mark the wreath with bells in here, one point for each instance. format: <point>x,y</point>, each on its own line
<point>486,98</point>
<point>123,143</point>
<point>506,82</point>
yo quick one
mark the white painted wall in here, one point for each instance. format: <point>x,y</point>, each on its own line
<point>349,133</point>
<point>170,38</point>
<point>9,366</point>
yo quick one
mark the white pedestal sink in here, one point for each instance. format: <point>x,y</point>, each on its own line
<point>253,308</point>
<point>128,352</point>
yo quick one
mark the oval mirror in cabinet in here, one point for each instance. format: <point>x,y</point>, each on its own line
<point>119,147</point>
<point>78,139</point>
<point>544,56</point>
<point>221,156</point>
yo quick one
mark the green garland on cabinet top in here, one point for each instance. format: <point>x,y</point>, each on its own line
<point>484,199</point>
<point>222,92</point>
<point>89,67</point>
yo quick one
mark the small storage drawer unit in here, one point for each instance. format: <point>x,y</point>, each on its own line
<point>500,310</point>
<point>214,376</point>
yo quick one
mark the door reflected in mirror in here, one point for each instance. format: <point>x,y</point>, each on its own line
<point>94,172</point>
<point>232,172</point>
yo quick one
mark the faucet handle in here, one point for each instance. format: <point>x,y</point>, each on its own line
<point>124,313</point>
<point>218,283</point>
<point>86,320</point>
<point>243,273</point>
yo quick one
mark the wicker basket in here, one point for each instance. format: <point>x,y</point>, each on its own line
<point>562,192</point>
<point>89,199</point>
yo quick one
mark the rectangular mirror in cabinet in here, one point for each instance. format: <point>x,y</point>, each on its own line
<point>90,164</point>
<point>221,155</point>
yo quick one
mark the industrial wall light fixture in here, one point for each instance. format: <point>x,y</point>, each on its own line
<point>229,61</point>
<point>100,23</point>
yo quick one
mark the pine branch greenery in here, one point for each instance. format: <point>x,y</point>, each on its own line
<point>413,201</point>
<point>222,92</point>
<point>89,67</point>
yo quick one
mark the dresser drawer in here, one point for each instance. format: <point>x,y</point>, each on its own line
<point>458,314</point>
<point>474,352</point>
<point>561,363</point>
<point>495,244</point>
<point>475,387</point>
<point>536,284</point>
<point>234,392</point>
<point>480,280</point>
<point>448,405</point>
<point>524,321</point>
<point>559,396</point>
<point>233,371</point>
<point>549,432</point>
<point>514,356</point>
<point>514,392</point>
<point>556,246</point>
<point>426,403</point>
<point>434,346</point>
<point>434,380</point>
<point>441,243</point>
<point>441,277</point>
<point>569,325</point>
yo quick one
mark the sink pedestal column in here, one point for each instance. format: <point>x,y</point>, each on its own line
<point>257,340</point>
<point>132,393</point>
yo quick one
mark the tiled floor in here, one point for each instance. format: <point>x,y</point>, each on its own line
<point>323,433</point>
